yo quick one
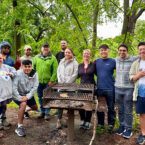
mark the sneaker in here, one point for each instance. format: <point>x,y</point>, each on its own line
<point>41,116</point>
<point>141,139</point>
<point>127,133</point>
<point>26,115</point>
<point>82,124</point>
<point>120,130</point>
<point>20,131</point>
<point>5,123</point>
<point>87,125</point>
<point>47,117</point>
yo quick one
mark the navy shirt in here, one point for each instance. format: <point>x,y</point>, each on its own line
<point>8,61</point>
<point>59,56</point>
<point>104,71</point>
<point>87,75</point>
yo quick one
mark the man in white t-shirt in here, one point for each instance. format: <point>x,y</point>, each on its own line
<point>137,75</point>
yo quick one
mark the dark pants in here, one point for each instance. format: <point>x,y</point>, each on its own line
<point>60,112</point>
<point>85,115</point>
<point>124,101</point>
<point>110,100</point>
<point>40,89</point>
<point>3,109</point>
<point>31,102</point>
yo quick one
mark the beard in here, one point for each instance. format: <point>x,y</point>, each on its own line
<point>63,48</point>
<point>6,53</point>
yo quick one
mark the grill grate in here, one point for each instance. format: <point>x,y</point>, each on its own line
<point>74,87</point>
<point>70,96</point>
<point>82,92</point>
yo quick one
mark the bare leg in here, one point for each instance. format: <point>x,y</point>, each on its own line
<point>21,112</point>
<point>142,123</point>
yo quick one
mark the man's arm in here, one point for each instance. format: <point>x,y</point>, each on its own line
<point>34,88</point>
<point>54,70</point>
<point>16,94</point>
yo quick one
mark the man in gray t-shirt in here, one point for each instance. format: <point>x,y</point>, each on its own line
<point>124,91</point>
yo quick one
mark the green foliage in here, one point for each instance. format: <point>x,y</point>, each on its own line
<point>51,21</point>
<point>139,32</point>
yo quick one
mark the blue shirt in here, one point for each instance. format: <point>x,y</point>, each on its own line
<point>9,61</point>
<point>104,71</point>
<point>141,90</point>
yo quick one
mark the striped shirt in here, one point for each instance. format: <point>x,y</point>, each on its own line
<point>122,72</point>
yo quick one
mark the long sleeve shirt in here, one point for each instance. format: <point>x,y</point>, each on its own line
<point>24,85</point>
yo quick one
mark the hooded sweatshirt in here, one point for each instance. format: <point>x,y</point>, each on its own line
<point>24,85</point>
<point>122,72</point>
<point>8,60</point>
<point>67,71</point>
<point>6,82</point>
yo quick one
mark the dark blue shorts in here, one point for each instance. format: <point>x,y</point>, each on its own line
<point>30,102</point>
<point>140,105</point>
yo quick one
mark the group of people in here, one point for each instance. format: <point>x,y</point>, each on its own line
<point>45,69</point>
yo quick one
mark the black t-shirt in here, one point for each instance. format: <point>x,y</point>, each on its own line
<point>87,75</point>
<point>59,56</point>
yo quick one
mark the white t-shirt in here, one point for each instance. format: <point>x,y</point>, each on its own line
<point>141,86</point>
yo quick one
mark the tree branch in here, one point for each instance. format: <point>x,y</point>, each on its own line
<point>139,13</point>
<point>75,17</point>
<point>40,33</point>
<point>117,6</point>
<point>33,4</point>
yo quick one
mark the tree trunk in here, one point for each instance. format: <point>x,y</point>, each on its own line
<point>95,18</point>
<point>129,24</point>
<point>17,36</point>
<point>126,17</point>
<point>131,14</point>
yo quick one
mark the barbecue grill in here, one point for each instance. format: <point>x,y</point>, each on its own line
<point>71,97</point>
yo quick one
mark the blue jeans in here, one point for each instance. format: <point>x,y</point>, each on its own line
<point>40,89</point>
<point>124,101</point>
<point>110,100</point>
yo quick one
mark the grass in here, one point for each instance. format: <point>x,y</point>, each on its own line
<point>102,130</point>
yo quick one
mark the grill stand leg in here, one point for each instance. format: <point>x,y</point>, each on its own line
<point>70,123</point>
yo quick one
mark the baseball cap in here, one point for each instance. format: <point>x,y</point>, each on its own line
<point>45,45</point>
<point>27,47</point>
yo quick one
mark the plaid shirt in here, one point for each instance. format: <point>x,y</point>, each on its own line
<point>122,72</point>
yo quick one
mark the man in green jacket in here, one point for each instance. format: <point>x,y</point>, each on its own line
<point>46,66</point>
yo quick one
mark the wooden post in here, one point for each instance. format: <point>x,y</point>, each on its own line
<point>70,123</point>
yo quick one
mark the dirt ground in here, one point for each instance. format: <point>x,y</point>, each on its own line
<point>40,132</point>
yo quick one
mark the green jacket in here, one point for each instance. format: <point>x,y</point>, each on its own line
<point>46,68</point>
